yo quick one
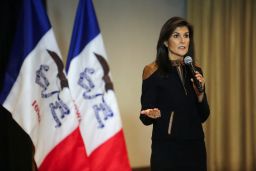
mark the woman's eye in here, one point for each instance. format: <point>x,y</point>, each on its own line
<point>186,35</point>
<point>175,36</point>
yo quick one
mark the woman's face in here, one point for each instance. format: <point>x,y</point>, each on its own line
<point>178,43</point>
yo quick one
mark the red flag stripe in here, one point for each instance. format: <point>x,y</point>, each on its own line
<point>68,155</point>
<point>111,155</point>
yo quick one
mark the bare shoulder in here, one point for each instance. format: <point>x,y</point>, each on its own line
<point>149,70</point>
<point>197,65</point>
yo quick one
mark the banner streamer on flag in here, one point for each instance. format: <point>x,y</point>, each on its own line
<point>36,93</point>
<point>92,89</point>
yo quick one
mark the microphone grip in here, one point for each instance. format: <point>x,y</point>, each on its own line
<point>196,82</point>
<point>198,85</point>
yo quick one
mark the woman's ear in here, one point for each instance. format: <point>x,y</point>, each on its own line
<point>166,44</point>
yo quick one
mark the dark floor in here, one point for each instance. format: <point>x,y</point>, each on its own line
<point>141,169</point>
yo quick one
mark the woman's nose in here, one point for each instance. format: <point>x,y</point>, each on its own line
<point>182,39</point>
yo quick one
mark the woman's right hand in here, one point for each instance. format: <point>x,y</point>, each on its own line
<point>152,113</point>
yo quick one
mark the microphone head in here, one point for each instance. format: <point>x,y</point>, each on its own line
<point>188,60</point>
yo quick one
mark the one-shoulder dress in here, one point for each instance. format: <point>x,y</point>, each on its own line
<point>177,137</point>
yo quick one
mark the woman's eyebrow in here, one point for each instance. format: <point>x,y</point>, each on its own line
<point>180,33</point>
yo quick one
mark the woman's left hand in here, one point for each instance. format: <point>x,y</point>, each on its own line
<point>200,78</point>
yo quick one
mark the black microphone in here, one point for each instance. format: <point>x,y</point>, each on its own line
<point>188,61</point>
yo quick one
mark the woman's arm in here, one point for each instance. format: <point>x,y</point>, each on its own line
<point>148,112</point>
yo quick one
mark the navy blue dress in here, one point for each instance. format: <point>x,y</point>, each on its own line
<point>177,136</point>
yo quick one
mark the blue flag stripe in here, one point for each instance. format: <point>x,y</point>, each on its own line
<point>85,29</point>
<point>32,25</point>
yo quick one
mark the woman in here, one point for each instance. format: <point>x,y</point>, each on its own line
<point>172,103</point>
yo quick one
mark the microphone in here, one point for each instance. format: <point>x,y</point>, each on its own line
<point>188,61</point>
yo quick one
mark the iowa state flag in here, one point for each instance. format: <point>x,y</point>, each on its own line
<point>92,89</point>
<point>36,93</point>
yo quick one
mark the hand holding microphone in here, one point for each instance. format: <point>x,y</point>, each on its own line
<point>197,77</point>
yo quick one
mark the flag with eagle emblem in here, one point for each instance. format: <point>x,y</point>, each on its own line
<point>92,90</point>
<point>36,92</point>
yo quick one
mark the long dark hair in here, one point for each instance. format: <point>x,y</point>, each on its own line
<point>162,59</point>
